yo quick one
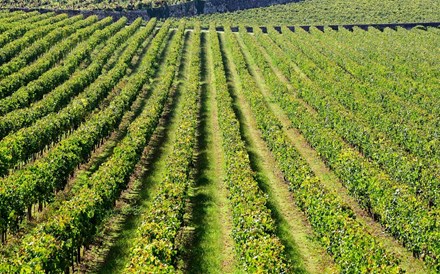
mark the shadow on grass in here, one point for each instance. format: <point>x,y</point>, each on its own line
<point>282,227</point>
<point>203,202</point>
<point>117,256</point>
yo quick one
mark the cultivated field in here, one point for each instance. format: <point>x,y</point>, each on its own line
<point>319,12</point>
<point>163,148</point>
<point>89,4</point>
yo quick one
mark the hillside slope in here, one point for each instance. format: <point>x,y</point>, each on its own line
<point>313,12</point>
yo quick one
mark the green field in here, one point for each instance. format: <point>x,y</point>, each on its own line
<point>327,12</point>
<point>306,12</point>
<point>88,4</point>
<point>133,148</point>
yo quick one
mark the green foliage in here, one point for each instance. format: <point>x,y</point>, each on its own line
<point>62,94</point>
<point>12,19</point>
<point>20,29</point>
<point>327,12</point>
<point>22,144</point>
<point>406,217</point>
<point>37,181</point>
<point>31,36</point>
<point>91,4</point>
<point>74,221</point>
<point>45,36</point>
<point>155,247</point>
<point>258,249</point>
<point>353,249</point>
<point>366,101</point>
<point>354,107</point>
<point>13,87</point>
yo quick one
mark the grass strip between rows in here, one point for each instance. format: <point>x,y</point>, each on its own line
<point>53,246</point>
<point>37,181</point>
<point>353,249</point>
<point>17,91</point>
<point>393,205</point>
<point>258,248</point>
<point>156,248</point>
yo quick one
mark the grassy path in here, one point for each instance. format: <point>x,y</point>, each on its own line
<point>113,257</point>
<point>292,228</point>
<point>408,262</point>
<point>107,145</point>
<point>212,249</point>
